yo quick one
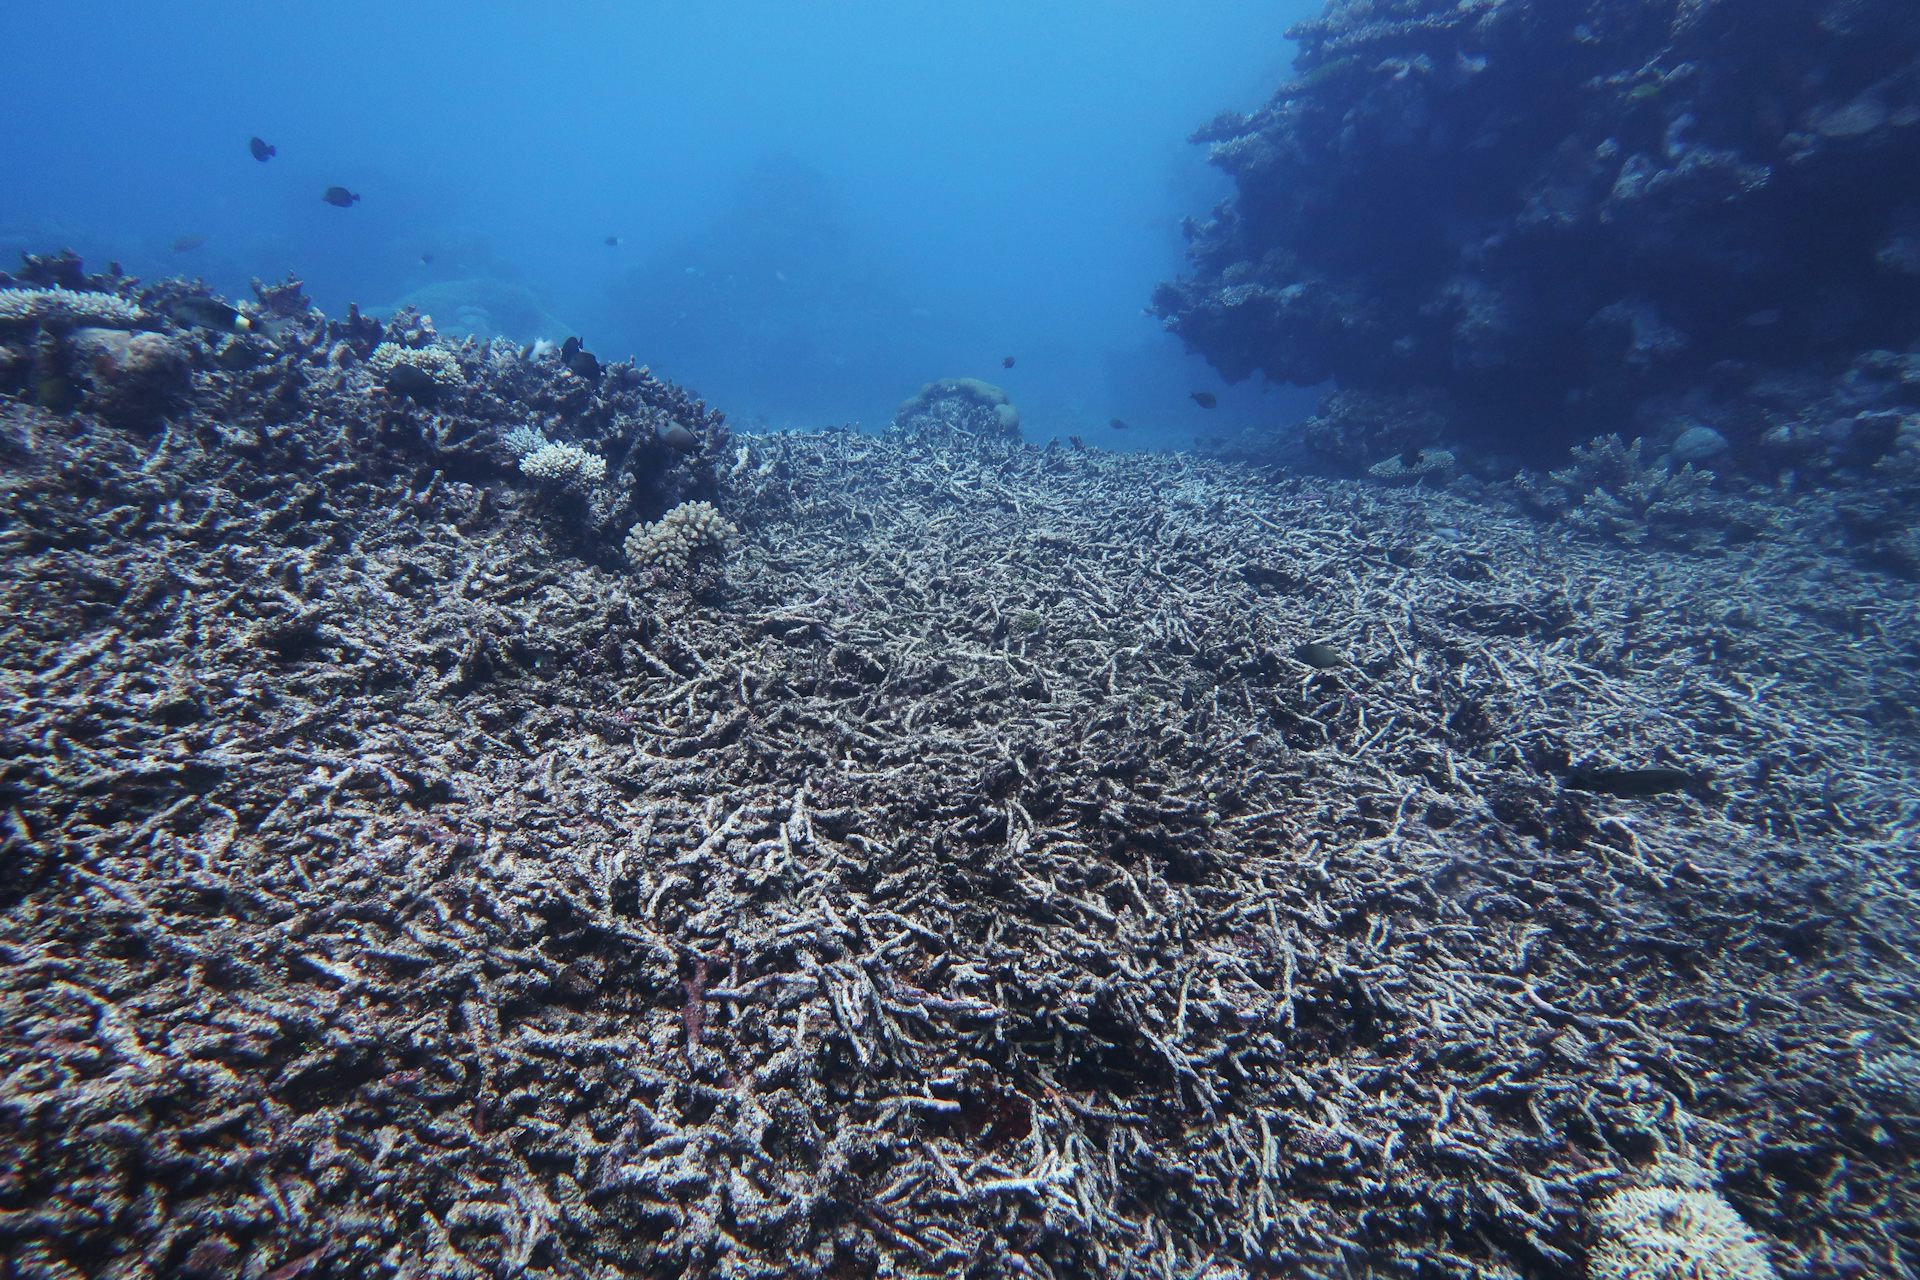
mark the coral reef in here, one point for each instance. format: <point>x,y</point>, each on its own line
<point>1547,216</point>
<point>976,887</point>
<point>1350,429</point>
<point>73,343</point>
<point>474,409</point>
<point>958,406</point>
<point>1881,512</point>
<point>66,270</point>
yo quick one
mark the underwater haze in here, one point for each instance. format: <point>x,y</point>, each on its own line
<point>818,207</point>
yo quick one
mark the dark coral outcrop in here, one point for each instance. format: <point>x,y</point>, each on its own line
<point>1547,213</point>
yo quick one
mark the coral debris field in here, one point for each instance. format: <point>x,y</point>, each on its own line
<point>952,870</point>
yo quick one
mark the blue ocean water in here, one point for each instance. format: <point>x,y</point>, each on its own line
<point>818,207</point>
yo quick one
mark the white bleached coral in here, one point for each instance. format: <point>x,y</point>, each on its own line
<point>522,440</point>
<point>564,464</point>
<point>67,306</point>
<point>1674,1233</point>
<point>436,362</point>
<point>672,541</point>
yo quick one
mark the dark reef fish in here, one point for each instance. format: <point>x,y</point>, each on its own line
<point>1323,657</point>
<point>613,242</point>
<point>262,150</point>
<point>1635,783</point>
<point>426,259</point>
<point>579,359</point>
<point>413,382</point>
<point>339,197</point>
<point>210,313</point>
<point>1006,362</point>
<point>1118,424</point>
<point>675,436</point>
<point>1205,399</point>
<point>187,244</point>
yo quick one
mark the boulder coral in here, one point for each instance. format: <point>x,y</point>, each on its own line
<point>133,378</point>
<point>966,405</point>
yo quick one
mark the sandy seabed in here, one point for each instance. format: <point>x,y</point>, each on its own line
<point>963,877</point>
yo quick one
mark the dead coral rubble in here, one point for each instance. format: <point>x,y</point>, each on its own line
<point>970,883</point>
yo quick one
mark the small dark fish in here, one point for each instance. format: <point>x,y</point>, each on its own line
<point>1411,457</point>
<point>1323,657</point>
<point>613,242</point>
<point>1006,362</point>
<point>1205,399</point>
<point>1634,783</point>
<point>675,436</point>
<point>426,259</point>
<point>210,313</point>
<point>187,244</point>
<point>579,359</point>
<point>261,149</point>
<point>1118,424</point>
<point>413,382</point>
<point>339,197</point>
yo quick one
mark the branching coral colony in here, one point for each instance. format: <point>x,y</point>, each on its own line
<point>691,532</point>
